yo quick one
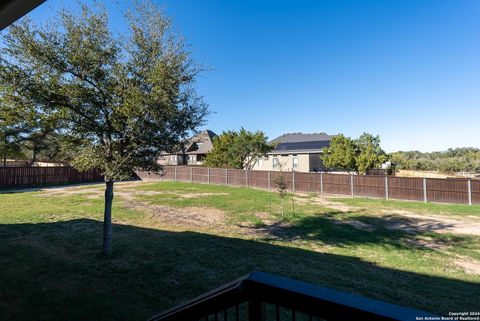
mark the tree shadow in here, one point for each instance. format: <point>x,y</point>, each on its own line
<point>341,229</point>
<point>53,271</point>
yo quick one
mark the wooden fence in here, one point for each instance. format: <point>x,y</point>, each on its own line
<point>12,177</point>
<point>460,191</point>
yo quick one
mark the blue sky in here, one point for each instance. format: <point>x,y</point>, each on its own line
<point>406,70</point>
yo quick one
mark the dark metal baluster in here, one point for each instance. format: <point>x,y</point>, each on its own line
<point>216,316</point>
<point>310,317</point>
<point>225,315</point>
<point>237,316</point>
<point>293,315</point>
<point>277,312</point>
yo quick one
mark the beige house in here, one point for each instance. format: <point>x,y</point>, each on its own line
<point>195,151</point>
<point>295,152</point>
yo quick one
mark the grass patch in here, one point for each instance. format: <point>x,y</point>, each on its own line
<point>51,267</point>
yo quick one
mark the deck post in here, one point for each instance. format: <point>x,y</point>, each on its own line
<point>191,174</point>
<point>175,175</point>
<point>425,190</point>
<point>226,176</point>
<point>246,178</point>
<point>386,188</point>
<point>208,175</point>
<point>321,184</point>
<point>469,187</point>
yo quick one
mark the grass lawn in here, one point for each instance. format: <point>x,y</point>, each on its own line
<point>173,241</point>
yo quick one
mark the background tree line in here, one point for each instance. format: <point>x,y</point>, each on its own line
<point>465,159</point>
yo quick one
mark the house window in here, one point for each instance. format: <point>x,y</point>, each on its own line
<point>260,161</point>
<point>275,162</point>
<point>191,159</point>
<point>295,162</point>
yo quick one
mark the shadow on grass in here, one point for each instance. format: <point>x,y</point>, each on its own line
<point>53,271</point>
<point>341,229</point>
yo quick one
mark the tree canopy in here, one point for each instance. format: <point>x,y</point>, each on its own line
<point>358,155</point>
<point>449,161</point>
<point>121,99</point>
<point>238,149</point>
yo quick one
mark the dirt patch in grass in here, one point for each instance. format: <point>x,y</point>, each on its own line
<point>426,242</point>
<point>468,265</point>
<point>412,222</point>
<point>181,216</point>
<point>358,225</point>
<point>322,201</point>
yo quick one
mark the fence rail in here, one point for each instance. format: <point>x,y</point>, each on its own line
<point>458,191</point>
<point>13,177</point>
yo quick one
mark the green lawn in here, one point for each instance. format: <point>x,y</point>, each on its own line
<point>51,268</point>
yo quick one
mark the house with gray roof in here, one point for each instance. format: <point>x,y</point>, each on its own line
<point>296,152</point>
<point>191,153</point>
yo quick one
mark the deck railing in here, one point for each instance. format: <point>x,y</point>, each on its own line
<point>261,296</point>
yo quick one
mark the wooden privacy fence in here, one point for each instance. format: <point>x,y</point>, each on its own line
<point>460,191</point>
<point>11,177</point>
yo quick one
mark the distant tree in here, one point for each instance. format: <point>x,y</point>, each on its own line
<point>341,153</point>
<point>369,154</point>
<point>238,149</point>
<point>124,98</point>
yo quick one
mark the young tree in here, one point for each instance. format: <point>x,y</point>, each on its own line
<point>369,154</point>
<point>238,149</point>
<point>357,155</point>
<point>125,98</point>
<point>341,153</point>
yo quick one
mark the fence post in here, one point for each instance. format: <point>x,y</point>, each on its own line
<point>269,179</point>
<point>208,175</point>
<point>191,174</point>
<point>293,182</point>
<point>425,190</point>
<point>175,175</point>
<point>469,186</point>
<point>386,188</point>
<point>321,184</point>
<point>226,176</point>
<point>246,178</point>
<point>351,185</point>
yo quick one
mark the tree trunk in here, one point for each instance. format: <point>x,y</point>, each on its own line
<point>107,218</point>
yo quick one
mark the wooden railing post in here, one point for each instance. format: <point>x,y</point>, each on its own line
<point>425,190</point>
<point>191,174</point>
<point>469,188</point>
<point>175,174</point>
<point>226,176</point>
<point>246,178</point>
<point>208,175</point>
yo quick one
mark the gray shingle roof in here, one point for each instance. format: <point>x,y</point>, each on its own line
<point>201,143</point>
<point>301,143</point>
